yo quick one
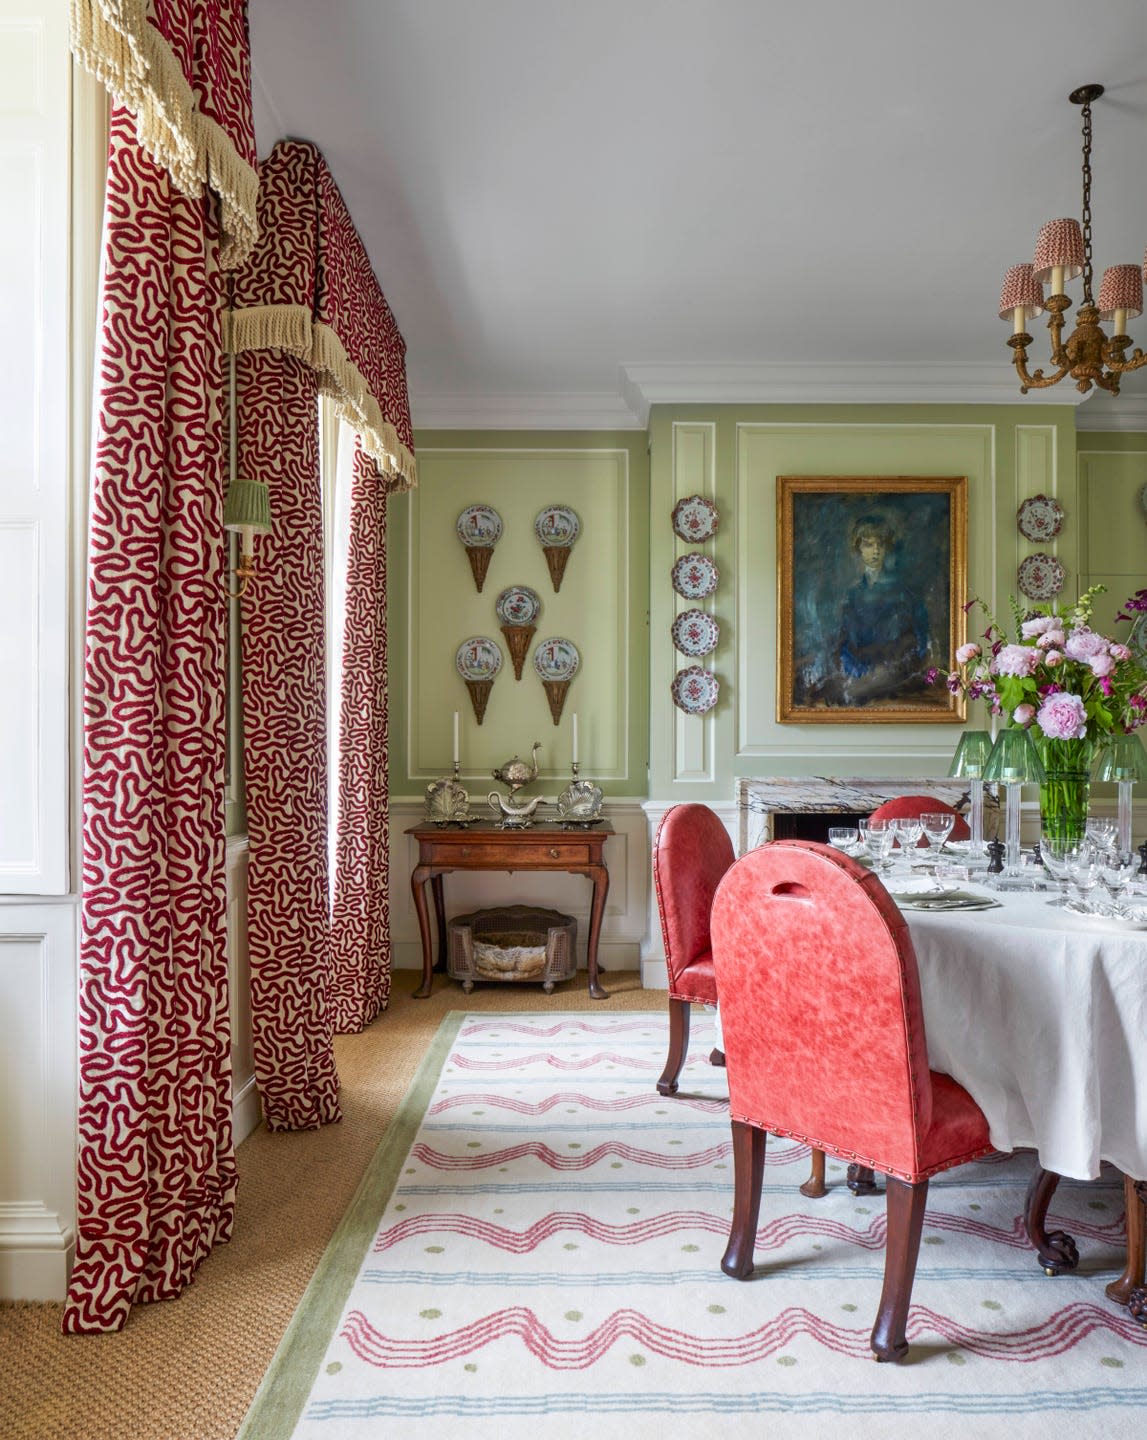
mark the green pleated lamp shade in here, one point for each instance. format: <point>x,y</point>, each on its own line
<point>971,755</point>
<point>248,505</point>
<point>1122,757</point>
<point>1014,759</point>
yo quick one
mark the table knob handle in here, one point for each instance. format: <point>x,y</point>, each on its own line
<point>554,852</point>
<point>464,851</point>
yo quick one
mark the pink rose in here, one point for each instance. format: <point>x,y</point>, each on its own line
<point>1063,717</point>
<point>1014,660</point>
<point>1053,658</point>
<point>1102,665</point>
<point>1121,652</point>
<point>966,653</point>
<point>1023,714</point>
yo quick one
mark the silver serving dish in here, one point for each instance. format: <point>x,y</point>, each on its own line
<point>447,803</point>
<point>580,803</point>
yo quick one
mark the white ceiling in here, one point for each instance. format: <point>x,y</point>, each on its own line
<point>579,207</point>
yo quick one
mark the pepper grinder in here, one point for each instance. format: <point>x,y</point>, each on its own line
<point>1143,858</point>
<point>996,850</point>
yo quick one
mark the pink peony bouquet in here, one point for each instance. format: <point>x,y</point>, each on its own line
<point>1059,678</point>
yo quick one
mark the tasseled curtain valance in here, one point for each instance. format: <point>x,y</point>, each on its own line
<point>309,289</point>
<point>150,54</point>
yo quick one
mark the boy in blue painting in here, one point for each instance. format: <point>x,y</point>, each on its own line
<point>884,641</point>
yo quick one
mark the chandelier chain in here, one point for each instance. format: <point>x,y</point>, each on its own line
<point>1086,218</point>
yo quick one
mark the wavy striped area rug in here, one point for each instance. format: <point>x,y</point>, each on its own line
<point>535,1252</point>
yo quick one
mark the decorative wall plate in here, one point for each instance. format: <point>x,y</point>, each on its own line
<point>1040,518</point>
<point>694,576</point>
<point>557,525</point>
<point>518,605</point>
<point>478,658</point>
<point>1041,577</point>
<point>480,526</point>
<point>695,518</point>
<point>695,633</point>
<point>695,690</point>
<point>556,659</point>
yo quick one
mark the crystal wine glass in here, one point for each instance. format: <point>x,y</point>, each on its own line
<point>881,834</point>
<point>843,837</point>
<point>1117,868</point>
<point>908,832</point>
<point>1083,868</point>
<point>937,827</point>
<point>1101,832</point>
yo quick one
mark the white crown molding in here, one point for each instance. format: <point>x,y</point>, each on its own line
<point>1126,413</point>
<point>592,411</point>
<point>641,386</point>
<point>778,383</point>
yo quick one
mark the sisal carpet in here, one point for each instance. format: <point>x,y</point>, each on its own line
<point>535,1251</point>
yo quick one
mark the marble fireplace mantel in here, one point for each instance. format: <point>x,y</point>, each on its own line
<point>759,800</point>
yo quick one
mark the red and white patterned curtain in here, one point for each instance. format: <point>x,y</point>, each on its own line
<point>156,1166</point>
<point>308,298</point>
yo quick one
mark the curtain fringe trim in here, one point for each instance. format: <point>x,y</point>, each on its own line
<point>291,328</point>
<point>115,42</point>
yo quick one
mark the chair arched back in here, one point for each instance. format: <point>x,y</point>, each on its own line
<point>691,853</point>
<point>820,1004</point>
<point>913,806</point>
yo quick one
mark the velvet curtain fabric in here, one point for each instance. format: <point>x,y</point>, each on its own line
<point>156,1168</point>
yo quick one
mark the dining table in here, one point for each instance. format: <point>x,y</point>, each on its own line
<point>1041,1014</point>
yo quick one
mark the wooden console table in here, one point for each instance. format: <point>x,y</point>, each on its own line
<point>486,847</point>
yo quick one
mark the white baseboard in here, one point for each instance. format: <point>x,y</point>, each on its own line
<point>246,1110</point>
<point>36,1253</point>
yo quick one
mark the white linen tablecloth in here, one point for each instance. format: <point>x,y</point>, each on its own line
<point>1042,1017</point>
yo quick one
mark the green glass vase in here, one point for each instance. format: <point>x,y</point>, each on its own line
<point>1064,797</point>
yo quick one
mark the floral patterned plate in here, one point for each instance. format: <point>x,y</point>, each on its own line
<point>1040,518</point>
<point>1041,577</point>
<point>557,525</point>
<point>695,518</point>
<point>518,605</point>
<point>480,526</point>
<point>695,690</point>
<point>695,633</point>
<point>556,659</point>
<point>694,576</point>
<point>478,658</point>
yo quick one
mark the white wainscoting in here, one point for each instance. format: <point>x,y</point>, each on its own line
<point>624,931</point>
<point>37,1099</point>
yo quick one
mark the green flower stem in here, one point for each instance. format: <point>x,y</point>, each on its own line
<point>1064,798</point>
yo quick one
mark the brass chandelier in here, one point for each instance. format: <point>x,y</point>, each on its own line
<point>1063,252</point>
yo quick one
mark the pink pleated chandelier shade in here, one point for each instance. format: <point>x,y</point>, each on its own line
<point>1121,289</point>
<point>1060,243</point>
<point>1021,289</point>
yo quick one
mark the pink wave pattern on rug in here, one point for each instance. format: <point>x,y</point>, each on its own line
<point>547,1266</point>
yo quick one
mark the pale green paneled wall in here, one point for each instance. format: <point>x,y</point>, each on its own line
<point>734,454</point>
<point>1112,472</point>
<point>618,603</point>
<point>601,607</point>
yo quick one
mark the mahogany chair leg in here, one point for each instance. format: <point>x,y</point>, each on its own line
<point>1055,1248</point>
<point>748,1173</point>
<point>717,1057</point>
<point>1132,1277</point>
<point>814,1187</point>
<point>862,1181</point>
<point>906,1204</point>
<point>678,1046</point>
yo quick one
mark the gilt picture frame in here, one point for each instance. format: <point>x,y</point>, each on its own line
<point>871,581</point>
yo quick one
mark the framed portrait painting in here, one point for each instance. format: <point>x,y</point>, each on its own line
<point>871,574</point>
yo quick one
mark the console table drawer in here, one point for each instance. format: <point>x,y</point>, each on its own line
<point>515,857</point>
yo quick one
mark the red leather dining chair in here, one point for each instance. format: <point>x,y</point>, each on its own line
<point>691,852</point>
<point>912,806</point>
<point>808,944</point>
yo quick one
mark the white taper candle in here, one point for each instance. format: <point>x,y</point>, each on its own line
<point>574,717</point>
<point>456,737</point>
